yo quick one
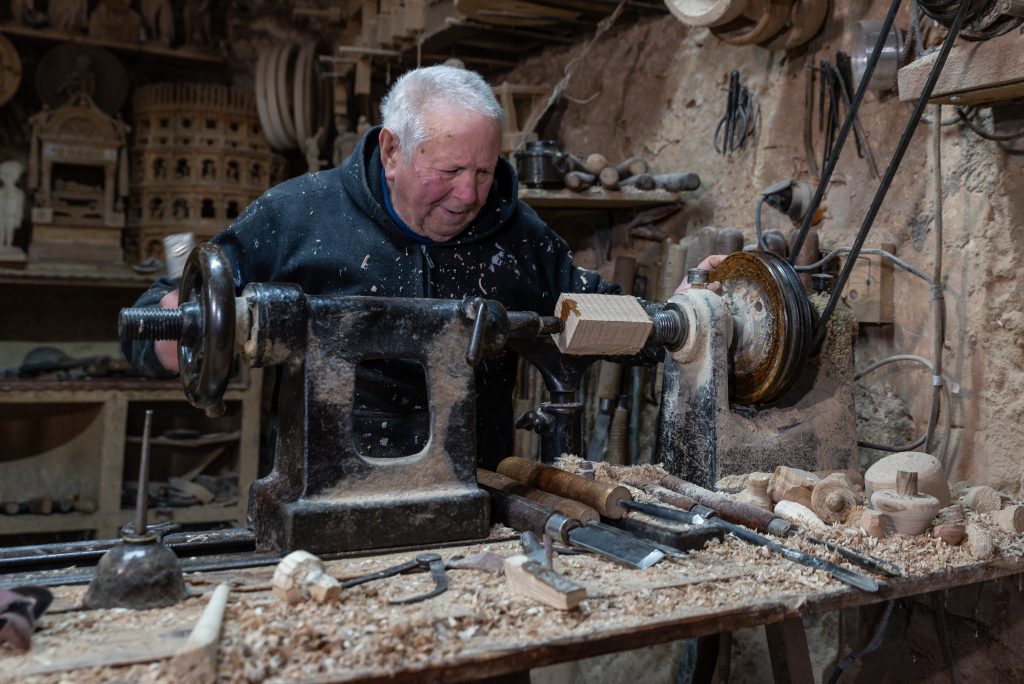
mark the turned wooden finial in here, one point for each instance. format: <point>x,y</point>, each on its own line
<point>906,483</point>
<point>300,576</point>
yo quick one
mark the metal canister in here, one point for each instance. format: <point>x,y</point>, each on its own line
<point>541,164</point>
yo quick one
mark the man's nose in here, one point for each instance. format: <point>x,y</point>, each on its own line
<point>464,188</point>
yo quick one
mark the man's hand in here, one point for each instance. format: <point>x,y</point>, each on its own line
<point>709,264</point>
<point>167,350</point>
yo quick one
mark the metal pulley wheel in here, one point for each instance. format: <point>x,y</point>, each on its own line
<point>775,326</point>
<point>207,346</point>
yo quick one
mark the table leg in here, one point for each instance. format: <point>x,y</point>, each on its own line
<point>787,644</point>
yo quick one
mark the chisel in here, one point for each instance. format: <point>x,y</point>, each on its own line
<point>522,514</point>
<point>854,579</point>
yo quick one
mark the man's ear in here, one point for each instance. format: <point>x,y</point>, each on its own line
<point>389,153</point>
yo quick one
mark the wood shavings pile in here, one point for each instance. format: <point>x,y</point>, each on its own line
<point>361,635</point>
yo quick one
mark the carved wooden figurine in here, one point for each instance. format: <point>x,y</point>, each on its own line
<point>12,200</point>
<point>158,18</point>
<point>115,20</point>
<point>69,15</point>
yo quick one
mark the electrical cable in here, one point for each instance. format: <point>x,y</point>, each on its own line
<point>964,115</point>
<point>844,132</point>
<point>948,420</point>
<point>871,250</point>
<point>938,301</point>
<point>890,173</point>
<point>758,230</point>
<point>876,640</point>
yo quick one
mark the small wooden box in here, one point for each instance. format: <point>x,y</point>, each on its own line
<point>600,324</point>
<point>869,290</point>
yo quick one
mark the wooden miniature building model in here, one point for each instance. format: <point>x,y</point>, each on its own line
<point>199,158</point>
<point>79,172</point>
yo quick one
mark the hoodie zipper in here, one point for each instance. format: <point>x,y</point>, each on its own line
<point>425,269</point>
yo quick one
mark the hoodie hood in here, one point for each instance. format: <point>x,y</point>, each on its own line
<point>361,177</point>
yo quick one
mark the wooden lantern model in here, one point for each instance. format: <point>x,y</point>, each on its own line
<point>79,173</point>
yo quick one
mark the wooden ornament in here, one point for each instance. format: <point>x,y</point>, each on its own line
<point>874,523</point>
<point>931,478</point>
<point>756,491</point>
<point>910,512</point>
<point>951,534</point>
<point>793,484</point>
<point>301,576</point>
<point>982,499</point>
<point>950,515</point>
<point>799,514</point>
<point>601,324</point>
<point>855,477</point>
<point>1010,518</point>
<point>833,498</point>
<point>979,543</point>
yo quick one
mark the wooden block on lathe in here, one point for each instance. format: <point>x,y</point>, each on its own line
<point>601,324</point>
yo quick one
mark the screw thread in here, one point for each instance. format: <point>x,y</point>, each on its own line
<point>150,324</point>
<point>669,329</point>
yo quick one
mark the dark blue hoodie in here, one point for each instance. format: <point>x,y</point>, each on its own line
<point>331,233</point>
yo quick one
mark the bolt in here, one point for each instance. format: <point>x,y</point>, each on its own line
<point>821,282</point>
<point>150,324</point>
<point>698,277</point>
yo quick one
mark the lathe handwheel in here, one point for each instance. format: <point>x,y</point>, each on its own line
<point>206,351</point>
<point>775,331</point>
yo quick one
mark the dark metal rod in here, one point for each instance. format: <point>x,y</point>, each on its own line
<point>844,132</point>
<point>890,173</point>
<point>142,498</point>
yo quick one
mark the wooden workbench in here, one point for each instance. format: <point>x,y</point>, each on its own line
<point>478,629</point>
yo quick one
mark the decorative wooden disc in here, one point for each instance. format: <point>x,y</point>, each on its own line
<point>70,67</point>
<point>10,70</point>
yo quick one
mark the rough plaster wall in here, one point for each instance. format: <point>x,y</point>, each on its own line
<point>657,89</point>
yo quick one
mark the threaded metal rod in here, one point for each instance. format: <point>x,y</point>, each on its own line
<point>670,328</point>
<point>150,324</point>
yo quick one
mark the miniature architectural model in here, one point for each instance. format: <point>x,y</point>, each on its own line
<point>79,173</point>
<point>199,158</point>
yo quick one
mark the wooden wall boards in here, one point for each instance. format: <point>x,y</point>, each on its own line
<point>199,158</point>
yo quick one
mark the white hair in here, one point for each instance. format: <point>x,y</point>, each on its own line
<point>405,106</point>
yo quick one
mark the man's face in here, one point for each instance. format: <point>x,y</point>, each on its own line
<point>442,188</point>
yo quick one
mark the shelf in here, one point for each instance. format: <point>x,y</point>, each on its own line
<point>62,274</point>
<point>184,54</point>
<point>212,439</point>
<point>26,523</point>
<point>597,198</point>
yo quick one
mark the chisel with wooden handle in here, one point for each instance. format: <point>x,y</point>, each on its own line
<point>603,496</point>
<point>522,514</point>
<point>573,509</point>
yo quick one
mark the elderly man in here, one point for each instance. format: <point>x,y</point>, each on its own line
<point>424,207</point>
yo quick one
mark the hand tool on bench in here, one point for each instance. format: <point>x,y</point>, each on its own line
<point>573,509</point>
<point>679,540</point>
<point>606,498</point>
<point>523,514</point>
<point>854,579</point>
<point>746,514</point>
<point>426,561</point>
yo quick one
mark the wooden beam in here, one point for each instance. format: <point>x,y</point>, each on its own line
<point>974,73</point>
